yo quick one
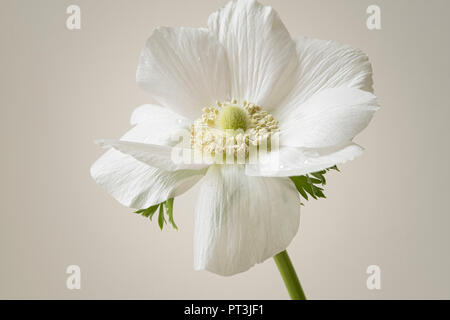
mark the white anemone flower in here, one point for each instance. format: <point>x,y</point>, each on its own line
<point>243,72</point>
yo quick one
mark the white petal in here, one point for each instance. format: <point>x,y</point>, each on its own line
<point>158,117</point>
<point>329,118</point>
<point>157,125</point>
<point>292,161</point>
<point>184,69</point>
<point>325,64</point>
<point>162,157</point>
<point>137,185</point>
<point>260,51</point>
<point>242,220</point>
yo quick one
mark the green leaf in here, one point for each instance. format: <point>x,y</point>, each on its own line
<point>308,188</point>
<point>302,192</point>
<point>299,185</point>
<point>320,175</point>
<point>169,211</point>
<point>334,168</point>
<point>314,180</point>
<point>309,184</point>
<point>149,212</point>
<point>318,191</point>
<point>161,218</point>
<point>165,207</point>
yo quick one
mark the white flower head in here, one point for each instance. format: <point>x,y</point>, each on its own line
<point>241,84</point>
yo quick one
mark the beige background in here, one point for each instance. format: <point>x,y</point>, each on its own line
<point>62,89</point>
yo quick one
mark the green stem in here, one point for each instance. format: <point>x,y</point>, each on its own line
<point>289,276</point>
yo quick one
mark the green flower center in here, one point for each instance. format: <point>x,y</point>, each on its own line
<point>233,117</point>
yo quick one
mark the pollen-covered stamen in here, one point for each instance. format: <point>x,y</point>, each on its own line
<point>232,128</point>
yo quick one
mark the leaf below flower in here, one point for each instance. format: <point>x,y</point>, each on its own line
<point>165,208</point>
<point>310,184</point>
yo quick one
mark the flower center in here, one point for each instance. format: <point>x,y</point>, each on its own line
<point>230,128</point>
<point>233,117</point>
